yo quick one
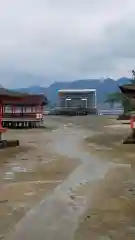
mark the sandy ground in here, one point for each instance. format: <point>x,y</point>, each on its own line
<point>28,173</point>
<point>111,201</point>
<point>90,176</point>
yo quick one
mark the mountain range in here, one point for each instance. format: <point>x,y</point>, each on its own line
<point>103,87</point>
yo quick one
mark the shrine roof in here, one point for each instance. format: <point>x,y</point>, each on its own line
<point>128,90</point>
<point>6,92</point>
<point>18,98</point>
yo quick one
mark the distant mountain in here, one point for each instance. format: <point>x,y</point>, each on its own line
<point>33,89</point>
<point>123,80</point>
<point>102,87</point>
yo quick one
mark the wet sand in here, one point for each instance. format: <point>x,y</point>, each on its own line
<point>28,173</point>
<point>110,210</point>
<point>61,209</point>
<point>96,199</point>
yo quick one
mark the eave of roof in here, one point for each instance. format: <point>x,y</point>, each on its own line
<point>11,93</point>
<point>128,90</point>
<point>22,98</point>
<point>127,87</point>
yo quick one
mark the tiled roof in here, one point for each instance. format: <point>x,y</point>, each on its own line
<point>128,87</point>
<point>128,90</point>
<point>8,96</point>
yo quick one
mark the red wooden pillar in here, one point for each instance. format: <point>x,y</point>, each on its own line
<point>132,125</point>
<point>132,122</point>
<point>22,111</point>
<point>1,118</point>
<point>0,109</point>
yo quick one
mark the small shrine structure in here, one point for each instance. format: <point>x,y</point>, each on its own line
<point>21,109</point>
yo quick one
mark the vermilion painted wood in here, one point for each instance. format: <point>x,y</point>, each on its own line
<point>1,114</point>
<point>132,122</point>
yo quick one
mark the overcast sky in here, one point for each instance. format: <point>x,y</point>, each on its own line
<point>66,39</point>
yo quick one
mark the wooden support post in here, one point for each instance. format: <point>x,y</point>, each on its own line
<point>21,111</point>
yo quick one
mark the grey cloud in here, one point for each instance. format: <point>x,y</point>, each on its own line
<point>66,39</point>
<point>122,38</point>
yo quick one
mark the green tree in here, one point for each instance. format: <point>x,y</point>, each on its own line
<point>126,103</point>
<point>112,98</point>
<point>118,97</point>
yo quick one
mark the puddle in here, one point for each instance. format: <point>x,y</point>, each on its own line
<point>11,174</point>
<point>8,176</point>
<point>20,169</point>
<point>30,193</point>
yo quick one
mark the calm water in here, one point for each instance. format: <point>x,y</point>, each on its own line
<point>111,111</point>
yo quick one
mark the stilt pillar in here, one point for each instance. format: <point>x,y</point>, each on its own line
<point>2,130</point>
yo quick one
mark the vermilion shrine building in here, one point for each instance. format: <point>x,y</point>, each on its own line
<point>21,109</point>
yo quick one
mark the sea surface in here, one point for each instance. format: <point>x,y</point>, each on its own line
<point>102,112</point>
<point>110,111</point>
